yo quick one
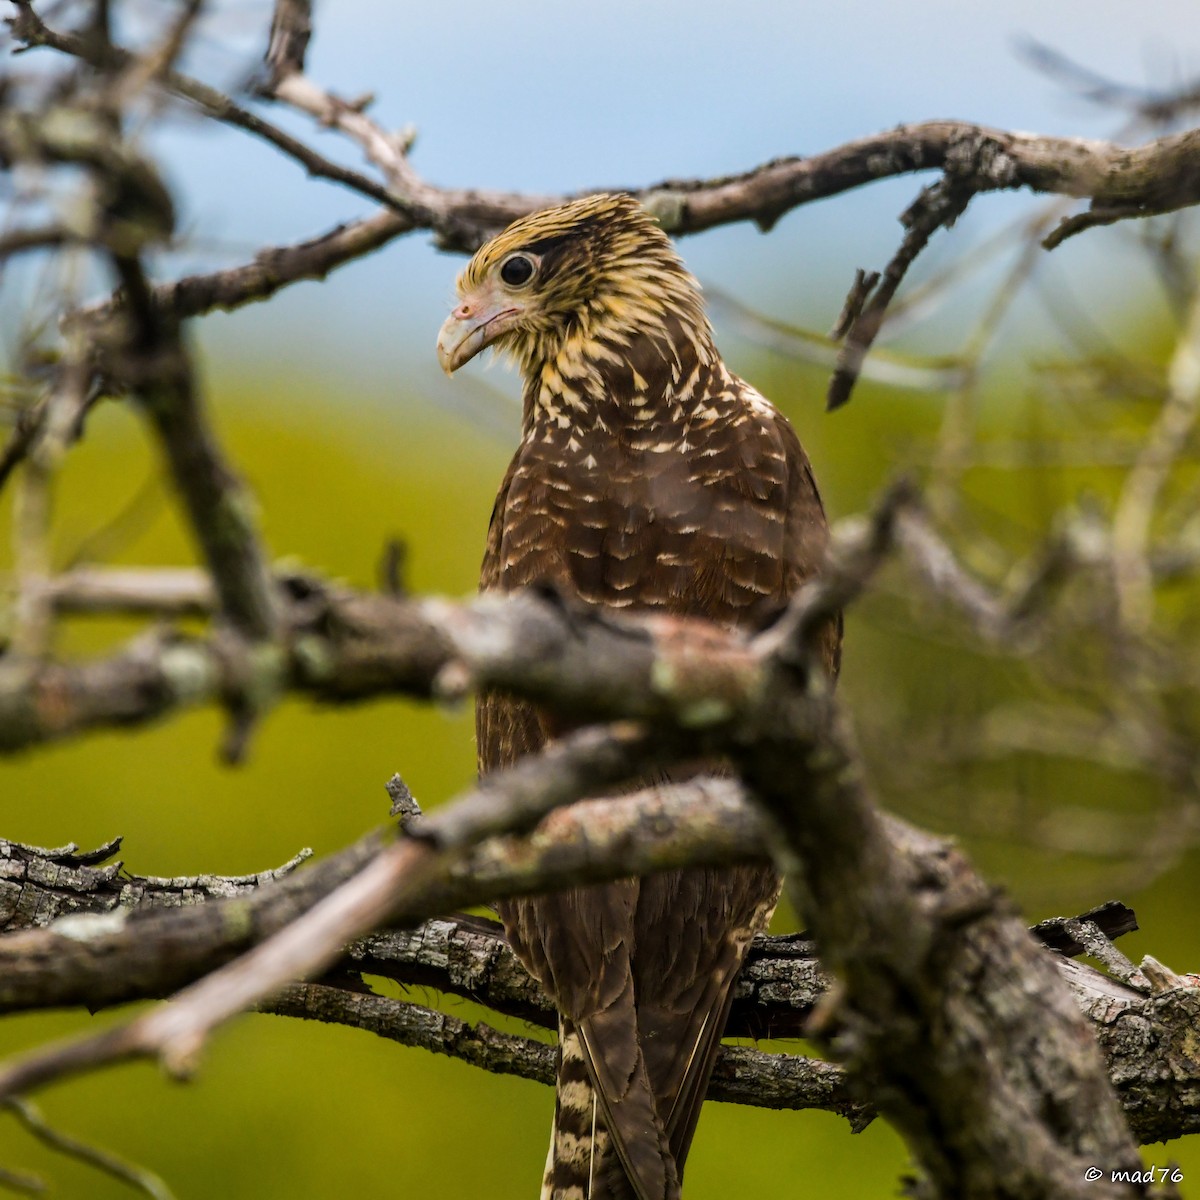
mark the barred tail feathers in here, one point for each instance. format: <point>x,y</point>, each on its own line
<point>578,1140</point>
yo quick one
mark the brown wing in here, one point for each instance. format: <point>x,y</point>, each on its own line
<point>507,729</point>
<point>577,942</point>
<point>726,526</point>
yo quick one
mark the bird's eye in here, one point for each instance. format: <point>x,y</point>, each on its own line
<point>517,270</point>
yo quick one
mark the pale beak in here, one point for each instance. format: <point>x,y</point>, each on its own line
<point>477,322</point>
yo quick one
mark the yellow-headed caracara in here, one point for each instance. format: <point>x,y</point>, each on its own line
<point>648,476</point>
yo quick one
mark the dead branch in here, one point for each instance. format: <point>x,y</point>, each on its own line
<point>1066,166</point>
<point>1157,177</point>
<point>862,316</point>
<point>107,58</point>
<point>781,985</point>
<point>887,904</point>
<point>933,967</point>
<point>403,882</point>
<point>742,1075</point>
<point>104,1161</point>
<point>271,270</point>
<point>339,645</point>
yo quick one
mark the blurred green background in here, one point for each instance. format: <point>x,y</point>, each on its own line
<point>282,1108</point>
<point>329,401</point>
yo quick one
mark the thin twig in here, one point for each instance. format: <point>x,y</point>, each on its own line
<point>23,1182</point>
<point>29,28</point>
<point>271,269</point>
<point>139,1178</point>
<point>291,29</point>
<point>939,205</point>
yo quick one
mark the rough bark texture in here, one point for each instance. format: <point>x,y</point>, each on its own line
<point>948,1015</point>
<point>1147,1038</point>
<point>997,1097</point>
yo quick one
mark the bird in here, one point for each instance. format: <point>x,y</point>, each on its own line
<point>648,478</point>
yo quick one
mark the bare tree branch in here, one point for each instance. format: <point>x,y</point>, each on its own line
<point>862,318</point>
<point>340,645</point>
<point>888,905</point>
<point>291,29</point>
<point>1157,177</point>
<point>742,1076</point>
<point>32,31</point>
<point>132,1175</point>
<point>404,882</point>
<point>152,928</point>
<point>1071,167</point>
<point>466,956</point>
<point>932,966</point>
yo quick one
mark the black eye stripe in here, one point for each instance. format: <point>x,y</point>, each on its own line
<point>556,241</point>
<point>517,270</point>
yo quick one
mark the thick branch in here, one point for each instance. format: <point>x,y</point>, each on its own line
<point>155,363</point>
<point>742,1076</point>
<point>340,645</point>
<point>122,939</point>
<point>1145,1037</point>
<point>938,971</point>
<point>270,270</point>
<point>136,951</point>
<point>405,883</point>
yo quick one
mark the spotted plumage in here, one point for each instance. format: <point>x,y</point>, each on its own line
<point>648,477</point>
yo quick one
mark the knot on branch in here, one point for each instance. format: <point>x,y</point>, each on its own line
<point>980,159</point>
<point>668,208</point>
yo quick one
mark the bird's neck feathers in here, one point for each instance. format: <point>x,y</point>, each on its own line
<point>639,353</point>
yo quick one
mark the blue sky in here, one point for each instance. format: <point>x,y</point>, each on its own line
<point>547,96</point>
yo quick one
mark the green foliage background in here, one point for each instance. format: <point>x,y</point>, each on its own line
<point>285,1109</point>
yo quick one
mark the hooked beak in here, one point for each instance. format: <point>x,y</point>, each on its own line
<point>477,322</point>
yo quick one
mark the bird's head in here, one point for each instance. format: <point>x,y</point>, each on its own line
<point>592,279</point>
